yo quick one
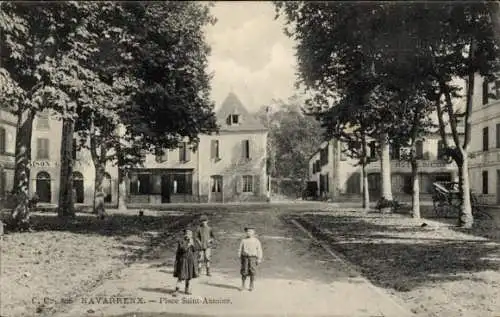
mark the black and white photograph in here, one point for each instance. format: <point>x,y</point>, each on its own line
<point>250,158</point>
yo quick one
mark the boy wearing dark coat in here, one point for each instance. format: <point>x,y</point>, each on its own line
<point>186,261</point>
<point>205,238</point>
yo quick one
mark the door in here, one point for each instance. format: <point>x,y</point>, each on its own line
<point>216,186</point>
<point>107,188</point>
<point>165,189</point>
<point>498,186</point>
<point>43,187</point>
<point>78,187</point>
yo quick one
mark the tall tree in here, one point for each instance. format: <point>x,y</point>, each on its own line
<point>448,41</point>
<point>293,138</point>
<point>30,36</point>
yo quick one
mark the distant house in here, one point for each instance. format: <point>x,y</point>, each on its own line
<point>484,163</point>
<point>338,175</point>
<point>226,167</point>
<point>8,123</point>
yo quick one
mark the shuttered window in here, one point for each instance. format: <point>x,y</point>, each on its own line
<point>184,153</point>
<point>419,149</point>
<point>42,148</point>
<point>485,182</point>
<point>498,136</point>
<point>247,183</point>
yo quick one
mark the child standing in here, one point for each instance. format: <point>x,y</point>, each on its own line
<point>185,267</point>
<point>250,254</point>
<point>205,239</point>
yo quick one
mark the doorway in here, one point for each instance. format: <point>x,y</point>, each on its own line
<point>107,188</point>
<point>165,189</point>
<point>216,192</point>
<point>78,187</point>
<point>43,189</point>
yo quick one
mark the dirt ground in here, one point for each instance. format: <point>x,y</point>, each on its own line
<point>50,266</point>
<point>437,270</point>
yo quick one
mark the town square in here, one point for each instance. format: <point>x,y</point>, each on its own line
<point>249,158</point>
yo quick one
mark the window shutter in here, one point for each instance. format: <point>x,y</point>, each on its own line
<point>212,149</point>
<point>74,149</point>
<point>248,149</point>
<point>256,184</point>
<point>188,152</point>
<point>3,137</point>
<point>39,149</point>
<point>228,120</point>
<point>244,148</point>
<point>498,135</point>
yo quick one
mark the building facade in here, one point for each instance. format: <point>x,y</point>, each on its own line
<point>484,162</point>
<point>8,123</point>
<point>340,176</point>
<point>45,166</point>
<point>226,167</point>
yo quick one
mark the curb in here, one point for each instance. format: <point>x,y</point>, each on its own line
<point>404,311</point>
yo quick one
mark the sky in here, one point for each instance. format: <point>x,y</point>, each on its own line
<point>251,56</point>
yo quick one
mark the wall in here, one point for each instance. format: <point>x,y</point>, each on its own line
<point>8,122</point>
<point>231,165</point>
<point>484,116</point>
<point>82,164</point>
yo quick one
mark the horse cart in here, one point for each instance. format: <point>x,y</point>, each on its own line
<point>446,201</point>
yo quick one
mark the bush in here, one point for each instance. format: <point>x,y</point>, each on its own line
<point>384,203</point>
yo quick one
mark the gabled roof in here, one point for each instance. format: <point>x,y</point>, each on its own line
<point>233,105</point>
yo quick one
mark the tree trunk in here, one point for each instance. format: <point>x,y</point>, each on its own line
<point>366,191</point>
<point>98,190</point>
<point>20,214</point>
<point>122,190</point>
<point>415,196</point>
<point>66,199</point>
<point>385,167</point>
<point>466,219</point>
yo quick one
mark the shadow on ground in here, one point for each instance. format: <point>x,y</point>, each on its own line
<point>394,257</point>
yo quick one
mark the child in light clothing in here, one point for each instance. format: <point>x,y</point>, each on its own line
<point>250,254</point>
<point>205,238</point>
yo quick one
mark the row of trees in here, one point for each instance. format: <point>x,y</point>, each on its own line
<point>102,66</point>
<point>378,70</point>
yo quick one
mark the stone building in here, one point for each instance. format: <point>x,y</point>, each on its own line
<point>8,123</point>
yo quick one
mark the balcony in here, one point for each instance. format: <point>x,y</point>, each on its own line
<point>424,166</point>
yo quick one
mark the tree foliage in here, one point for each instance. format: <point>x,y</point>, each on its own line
<point>101,65</point>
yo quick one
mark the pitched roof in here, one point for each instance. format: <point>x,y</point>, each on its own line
<point>233,105</point>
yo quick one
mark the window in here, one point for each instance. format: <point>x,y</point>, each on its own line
<point>485,91</point>
<point>184,153</point>
<point>486,138</point>
<point>419,149</point>
<point>42,148</point>
<point>247,183</point>
<point>3,140</point>
<point>498,135</point>
<point>373,149</point>
<point>42,122</point>
<point>214,149</point>
<point>485,182</point>
<point>73,152</point>
<point>395,152</point>
<point>182,183</point>
<point>161,155</point>
<point>233,119</point>
<point>216,184</point>
<point>441,149</point>
<point>143,184</point>
<point>245,145</point>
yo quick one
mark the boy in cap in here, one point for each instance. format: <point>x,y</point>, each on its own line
<point>250,254</point>
<point>205,238</point>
